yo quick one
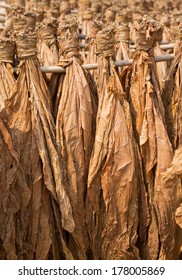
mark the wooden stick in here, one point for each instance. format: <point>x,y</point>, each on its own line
<point>133,47</point>
<point>163,47</point>
<point>4,5</point>
<point>58,69</point>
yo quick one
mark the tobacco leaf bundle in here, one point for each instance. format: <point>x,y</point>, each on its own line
<point>172,94</point>
<point>92,56</point>
<point>112,199</point>
<point>173,176</point>
<point>160,66</point>
<point>156,150</point>
<point>33,227</point>
<point>7,80</point>
<point>75,119</point>
<point>122,37</point>
<point>47,46</point>
<point>9,158</point>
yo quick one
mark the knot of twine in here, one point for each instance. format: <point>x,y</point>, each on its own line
<point>47,31</point>
<point>122,33</point>
<point>68,39</point>
<point>68,45</point>
<point>25,22</point>
<point>39,11</point>
<point>95,27</point>
<point>19,23</point>
<point>69,22</point>
<point>7,50</point>
<point>148,33</point>
<point>26,45</point>
<point>31,21</point>
<point>105,42</point>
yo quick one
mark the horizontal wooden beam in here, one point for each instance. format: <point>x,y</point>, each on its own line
<point>58,69</point>
<point>4,5</point>
<point>162,46</point>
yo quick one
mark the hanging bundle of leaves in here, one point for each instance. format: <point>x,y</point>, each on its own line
<point>92,57</point>
<point>87,21</point>
<point>166,36</point>
<point>122,37</point>
<point>75,123</point>
<point>172,92</point>
<point>173,176</point>
<point>8,157</point>
<point>47,45</point>
<point>150,131</point>
<point>162,65</point>
<point>38,206</point>
<point>112,199</point>
<point>7,80</point>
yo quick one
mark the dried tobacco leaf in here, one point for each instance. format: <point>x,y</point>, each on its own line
<point>122,38</point>
<point>76,110</point>
<point>112,199</point>
<point>7,80</point>
<point>150,130</point>
<point>47,46</point>
<point>172,93</point>
<point>37,174</point>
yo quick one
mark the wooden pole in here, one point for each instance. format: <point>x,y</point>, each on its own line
<point>4,5</point>
<point>59,69</point>
<point>162,46</point>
